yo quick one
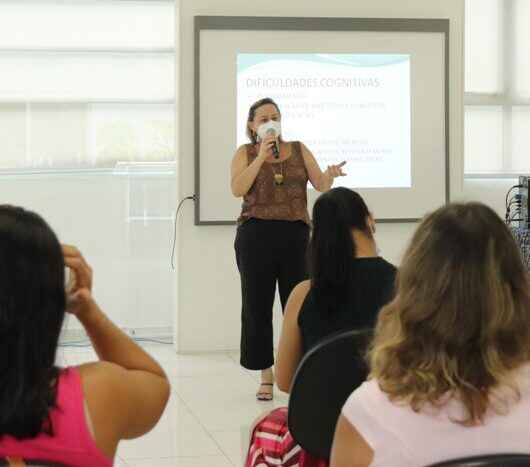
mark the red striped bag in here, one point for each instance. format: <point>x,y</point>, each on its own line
<point>272,445</point>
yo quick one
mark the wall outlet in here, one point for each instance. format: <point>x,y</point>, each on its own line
<point>129,331</point>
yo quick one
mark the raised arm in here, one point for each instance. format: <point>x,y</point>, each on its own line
<point>321,181</point>
<point>243,174</point>
<point>349,447</point>
<point>290,348</point>
<point>127,390</point>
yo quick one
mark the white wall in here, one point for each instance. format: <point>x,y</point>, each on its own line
<point>489,191</point>
<point>208,294</point>
<point>133,280</point>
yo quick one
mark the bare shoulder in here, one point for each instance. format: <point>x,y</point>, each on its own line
<point>98,369</point>
<point>106,387</point>
<point>349,448</point>
<point>303,287</point>
<point>242,150</point>
<point>240,156</point>
<point>101,379</point>
<point>306,153</point>
<point>303,147</point>
<point>297,297</point>
<point>101,384</point>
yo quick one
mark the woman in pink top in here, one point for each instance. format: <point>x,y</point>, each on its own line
<point>74,416</point>
<point>450,373</point>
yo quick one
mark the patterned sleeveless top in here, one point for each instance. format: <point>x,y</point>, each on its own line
<point>269,201</point>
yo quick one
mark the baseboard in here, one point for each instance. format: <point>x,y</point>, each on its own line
<point>165,333</point>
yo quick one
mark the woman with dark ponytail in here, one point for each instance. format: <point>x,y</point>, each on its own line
<point>332,246</point>
<point>349,283</point>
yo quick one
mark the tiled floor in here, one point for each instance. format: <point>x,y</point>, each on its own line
<point>207,421</point>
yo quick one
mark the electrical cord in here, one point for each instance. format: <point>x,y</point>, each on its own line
<point>509,192</point>
<point>515,213</point>
<point>193,198</point>
<point>509,202</point>
<point>86,343</point>
<point>514,202</point>
<point>515,216</point>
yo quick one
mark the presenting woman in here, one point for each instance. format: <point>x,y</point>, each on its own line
<point>271,176</point>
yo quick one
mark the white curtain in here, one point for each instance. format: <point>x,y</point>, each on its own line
<point>86,84</point>
<point>497,100</point>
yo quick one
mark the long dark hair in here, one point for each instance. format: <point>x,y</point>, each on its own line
<point>32,309</point>
<point>252,114</point>
<point>332,248</point>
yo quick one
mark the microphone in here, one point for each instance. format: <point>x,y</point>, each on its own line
<point>275,149</point>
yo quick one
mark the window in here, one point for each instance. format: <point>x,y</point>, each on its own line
<point>497,99</point>
<point>86,84</point>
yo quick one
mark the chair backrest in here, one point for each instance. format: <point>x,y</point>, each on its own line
<point>19,462</point>
<point>326,377</point>
<point>496,460</point>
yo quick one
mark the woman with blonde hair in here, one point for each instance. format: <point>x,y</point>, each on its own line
<point>450,373</point>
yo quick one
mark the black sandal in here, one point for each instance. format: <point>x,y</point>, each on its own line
<point>265,396</point>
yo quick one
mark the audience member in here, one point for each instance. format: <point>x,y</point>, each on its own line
<point>349,284</point>
<point>76,415</point>
<point>450,373</point>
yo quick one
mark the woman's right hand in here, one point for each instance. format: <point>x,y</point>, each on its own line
<point>79,287</point>
<point>265,149</point>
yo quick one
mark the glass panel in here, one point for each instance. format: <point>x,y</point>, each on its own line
<point>483,46</point>
<point>483,154</point>
<point>92,211</point>
<point>71,76</point>
<point>520,160</point>
<point>522,56</point>
<point>45,136</point>
<point>89,24</point>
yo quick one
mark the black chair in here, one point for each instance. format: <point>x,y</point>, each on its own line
<point>496,460</point>
<point>326,377</point>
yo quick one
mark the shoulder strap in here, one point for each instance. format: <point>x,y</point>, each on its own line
<point>251,153</point>
<point>298,146</point>
<point>298,150</point>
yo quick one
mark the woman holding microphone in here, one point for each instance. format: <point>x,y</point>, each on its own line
<point>271,176</point>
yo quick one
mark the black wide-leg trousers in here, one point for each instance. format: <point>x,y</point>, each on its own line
<point>267,252</point>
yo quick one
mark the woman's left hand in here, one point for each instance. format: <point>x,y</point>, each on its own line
<point>335,171</point>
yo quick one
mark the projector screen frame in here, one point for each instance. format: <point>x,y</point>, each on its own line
<point>264,23</point>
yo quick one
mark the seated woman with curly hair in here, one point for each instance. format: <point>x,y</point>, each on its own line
<point>450,373</point>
